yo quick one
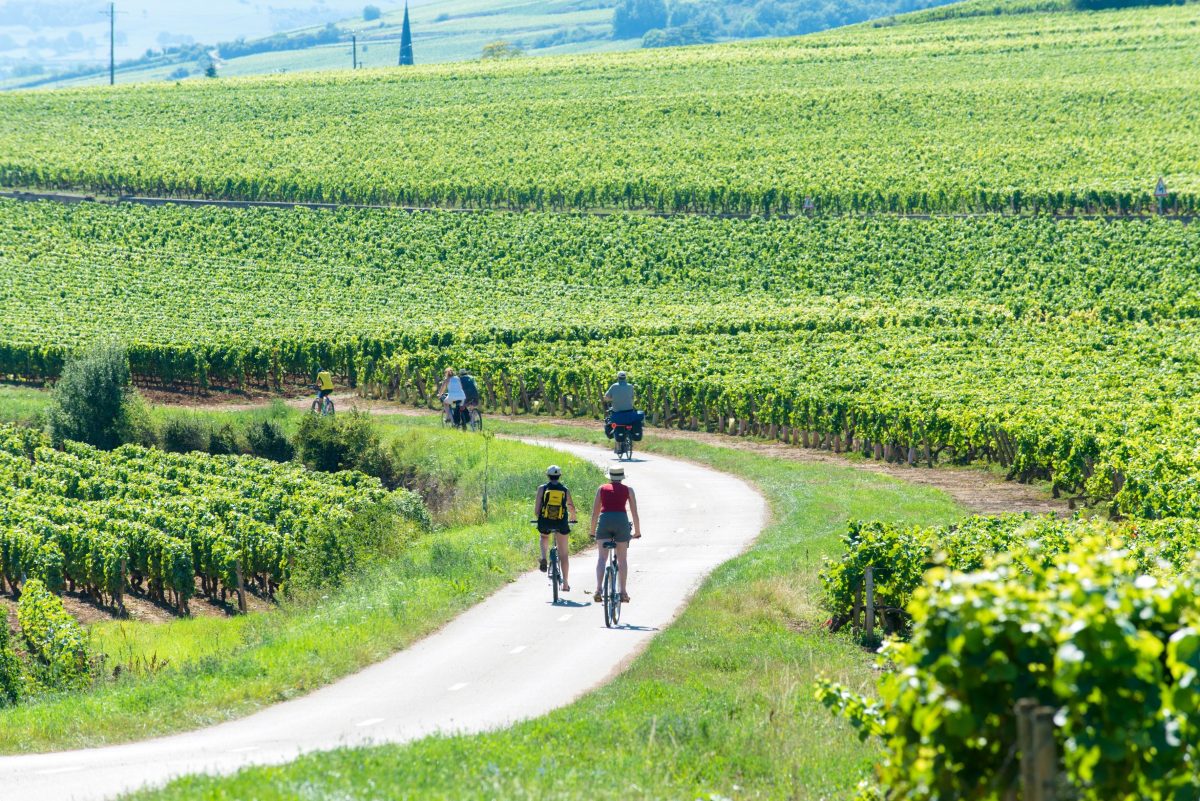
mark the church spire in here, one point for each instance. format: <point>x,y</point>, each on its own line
<point>406,56</point>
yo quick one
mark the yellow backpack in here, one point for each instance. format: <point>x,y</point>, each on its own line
<point>554,503</point>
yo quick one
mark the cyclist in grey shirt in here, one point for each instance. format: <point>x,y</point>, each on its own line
<point>620,394</point>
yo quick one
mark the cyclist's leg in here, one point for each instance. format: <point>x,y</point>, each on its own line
<point>564,557</point>
<point>623,563</point>
<point>601,563</point>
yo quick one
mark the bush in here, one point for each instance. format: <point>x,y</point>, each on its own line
<point>334,551</point>
<point>10,667</point>
<point>227,441</point>
<point>55,640</point>
<point>1114,651</point>
<point>345,442</point>
<point>371,13</point>
<point>185,434</point>
<point>91,401</point>
<point>268,441</point>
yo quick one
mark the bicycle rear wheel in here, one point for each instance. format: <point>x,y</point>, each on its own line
<point>316,407</point>
<point>612,598</point>
<point>476,420</point>
<point>555,576</point>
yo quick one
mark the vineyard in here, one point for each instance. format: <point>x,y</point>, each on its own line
<point>1026,113</point>
<point>1026,342</point>
<point>158,524</point>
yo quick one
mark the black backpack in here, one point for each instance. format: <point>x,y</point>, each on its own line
<point>469,388</point>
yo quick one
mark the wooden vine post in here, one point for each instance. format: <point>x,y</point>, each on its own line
<point>241,587</point>
<point>1039,754</point>
<point>869,584</point>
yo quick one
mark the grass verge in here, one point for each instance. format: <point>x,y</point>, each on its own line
<point>222,668</point>
<point>719,705</point>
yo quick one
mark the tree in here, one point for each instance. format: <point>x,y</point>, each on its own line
<point>501,49</point>
<point>210,71</point>
<point>406,51</point>
<point>92,400</point>
<point>371,13</point>
<point>632,18</point>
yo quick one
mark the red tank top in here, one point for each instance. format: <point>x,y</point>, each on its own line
<point>613,497</point>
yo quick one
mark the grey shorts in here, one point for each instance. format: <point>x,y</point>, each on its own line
<point>614,526</point>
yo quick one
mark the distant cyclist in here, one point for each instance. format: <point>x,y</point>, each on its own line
<point>554,509</point>
<point>452,395</point>
<point>324,384</point>
<point>470,388</point>
<point>621,394</point>
<point>610,522</point>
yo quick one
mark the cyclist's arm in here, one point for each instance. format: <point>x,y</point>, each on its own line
<point>571,506</point>
<point>537,503</point>
<point>595,512</point>
<point>637,524</point>
<point>443,387</point>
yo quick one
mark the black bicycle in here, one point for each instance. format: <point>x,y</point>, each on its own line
<point>553,571</point>
<point>611,595</point>
<point>622,436</point>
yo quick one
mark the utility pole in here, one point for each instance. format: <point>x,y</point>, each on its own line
<point>353,52</point>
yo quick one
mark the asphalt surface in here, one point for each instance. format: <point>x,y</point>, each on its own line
<point>487,669</point>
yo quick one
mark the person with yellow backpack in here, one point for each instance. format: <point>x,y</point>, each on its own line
<point>554,510</point>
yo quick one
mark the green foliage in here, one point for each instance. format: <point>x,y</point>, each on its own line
<point>371,13</point>
<point>11,675</point>
<point>903,556</point>
<point>56,642</point>
<point>154,522</point>
<point>90,397</point>
<point>345,442</point>
<point>1112,648</point>
<point>182,434</point>
<point>228,440</point>
<point>335,551</point>
<point>268,440</point>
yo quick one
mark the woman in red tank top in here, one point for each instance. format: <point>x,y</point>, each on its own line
<point>610,522</point>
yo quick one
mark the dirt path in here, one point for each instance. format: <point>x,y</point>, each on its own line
<point>977,489</point>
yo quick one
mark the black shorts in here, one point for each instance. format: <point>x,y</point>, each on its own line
<point>323,393</point>
<point>556,526</point>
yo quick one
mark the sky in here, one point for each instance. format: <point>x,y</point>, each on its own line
<point>62,33</point>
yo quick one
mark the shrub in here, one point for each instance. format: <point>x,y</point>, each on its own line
<point>1115,651</point>
<point>56,642</point>
<point>371,13</point>
<point>333,551</point>
<point>90,402</point>
<point>10,667</point>
<point>227,441</point>
<point>345,442</point>
<point>268,441</point>
<point>185,434</point>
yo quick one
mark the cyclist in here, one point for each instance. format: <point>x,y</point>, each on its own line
<point>622,411</point>
<point>324,384</point>
<point>452,395</point>
<point>610,522</point>
<point>470,389</point>
<point>554,509</point>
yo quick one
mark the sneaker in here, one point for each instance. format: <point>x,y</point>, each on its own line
<point>542,565</point>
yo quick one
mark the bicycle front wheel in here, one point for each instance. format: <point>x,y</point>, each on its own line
<point>328,407</point>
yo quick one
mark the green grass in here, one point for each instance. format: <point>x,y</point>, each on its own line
<point>222,668</point>
<point>22,404</point>
<point>720,703</point>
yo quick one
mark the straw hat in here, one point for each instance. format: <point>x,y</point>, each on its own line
<point>616,473</point>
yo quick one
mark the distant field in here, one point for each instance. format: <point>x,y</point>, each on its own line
<point>1035,111</point>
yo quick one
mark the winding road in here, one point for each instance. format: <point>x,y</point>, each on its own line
<point>488,668</point>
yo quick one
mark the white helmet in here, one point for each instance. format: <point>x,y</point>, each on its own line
<point>553,471</point>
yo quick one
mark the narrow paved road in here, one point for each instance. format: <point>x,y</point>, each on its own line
<point>512,657</point>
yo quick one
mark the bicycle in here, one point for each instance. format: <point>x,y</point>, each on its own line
<point>612,588</point>
<point>623,436</point>
<point>552,567</point>
<point>455,416</point>
<point>474,419</point>
<point>321,406</point>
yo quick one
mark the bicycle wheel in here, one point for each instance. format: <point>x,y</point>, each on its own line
<point>555,577</point>
<point>615,600</point>
<point>476,420</point>
<point>316,407</point>
<point>328,407</point>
